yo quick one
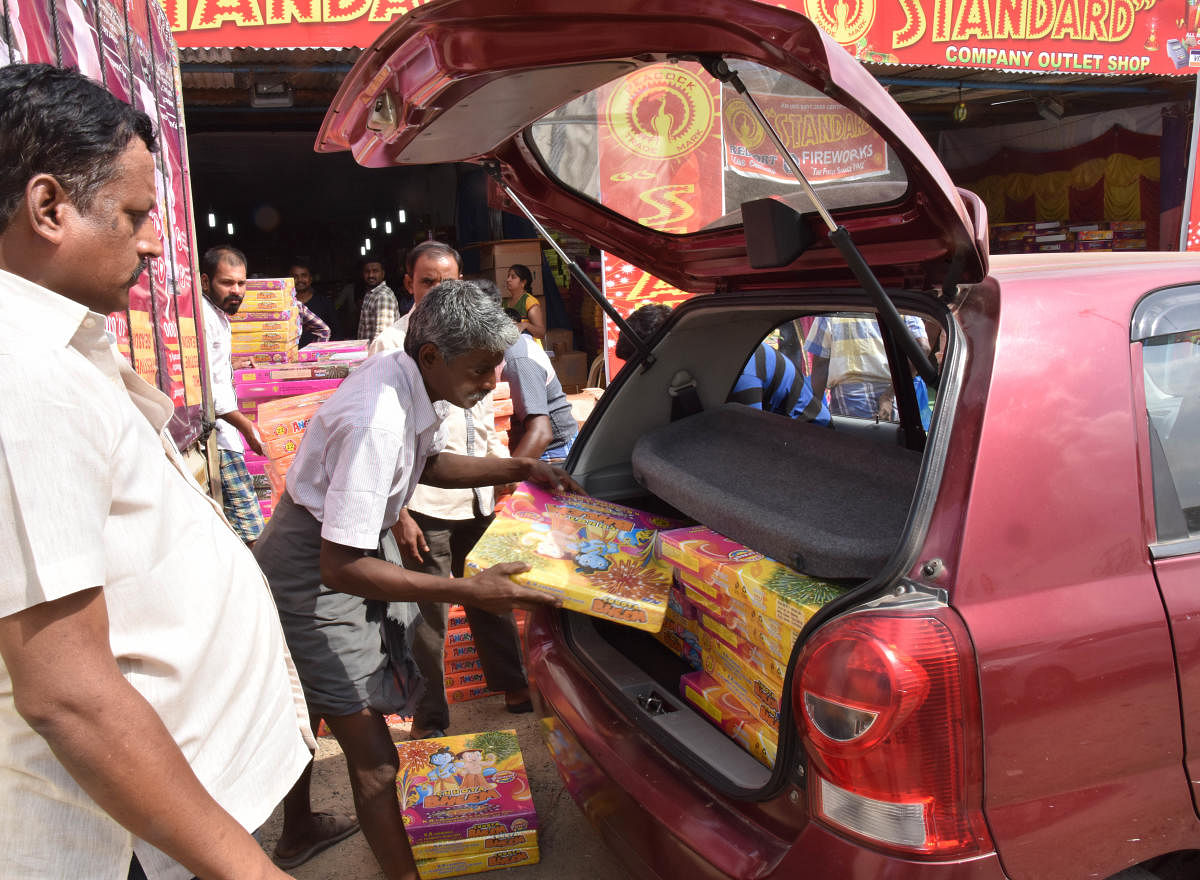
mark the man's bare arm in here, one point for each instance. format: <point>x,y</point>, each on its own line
<point>68,687</point>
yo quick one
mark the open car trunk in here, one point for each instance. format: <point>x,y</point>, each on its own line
<point>845,504</point>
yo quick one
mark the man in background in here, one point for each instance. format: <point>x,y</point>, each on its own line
<point>439,527</point>
<point>223,281</point>
<point>148,715</point>
<point>380,308</point>
<point>317,315</point>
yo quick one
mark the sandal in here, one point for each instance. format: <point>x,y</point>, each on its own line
<point>339,834</point>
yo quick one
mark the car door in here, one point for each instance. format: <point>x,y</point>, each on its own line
<point>1166,333</point>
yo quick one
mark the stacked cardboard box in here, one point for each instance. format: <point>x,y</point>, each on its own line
<point>464,678</point>
<point>467,803</point>
<point>570,365</point>
<point>267,327</point>
<point>502,408</point>
<point>259,386</point>
<point>1062,236</point>
<point>734,617</point>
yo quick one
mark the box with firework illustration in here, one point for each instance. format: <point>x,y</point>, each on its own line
<point>466,846</point>
<point>465,786</point>
<point>758,736</point>
<point>745,575</point>
<point>596,556</point>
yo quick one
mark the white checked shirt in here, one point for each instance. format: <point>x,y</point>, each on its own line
<point>478,423</point>
<point>92,493</point>
<point>365,449</point>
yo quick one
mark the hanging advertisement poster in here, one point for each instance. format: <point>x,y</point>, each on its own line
<point>183,359</point>
<point>78,42</point>
<point>659,158</point>
<point>828,141</point>
<point>33,31</point>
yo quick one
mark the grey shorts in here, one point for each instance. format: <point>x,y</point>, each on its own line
<point>350,653</point>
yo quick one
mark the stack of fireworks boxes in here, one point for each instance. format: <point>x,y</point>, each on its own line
<point>286,385</point>
<point>734,616</point>
<point>464,672</point>
<point>466,803</point>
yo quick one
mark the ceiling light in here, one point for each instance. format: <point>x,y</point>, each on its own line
<point>402,217</point>
<point>362,251</point>
<point>387,227</point>
<point>270,94</point>
<point>368,244</point>
<point>212,220</point>
<point>374,223</point>
<point>229,228</point>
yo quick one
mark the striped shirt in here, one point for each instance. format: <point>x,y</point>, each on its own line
<point>859,378</point>
<point>380,309</point>
<point>317,330</point>
<point>771,382</point>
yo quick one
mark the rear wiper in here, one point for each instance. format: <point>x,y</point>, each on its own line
<point>838,235</point>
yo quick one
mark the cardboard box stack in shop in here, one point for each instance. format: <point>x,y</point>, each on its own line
<point>464,678</point>
<point>466,803</point>
<point>731,614</point>
<point>286,385</point>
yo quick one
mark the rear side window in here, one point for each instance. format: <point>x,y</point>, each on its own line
<point>1171,364</point>
<point>1167,324</point>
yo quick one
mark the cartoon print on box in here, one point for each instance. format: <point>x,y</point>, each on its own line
<point>466,786</point>
<point>598,557</point>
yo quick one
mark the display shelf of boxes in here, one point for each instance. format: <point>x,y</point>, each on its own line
<point>1065,237</point>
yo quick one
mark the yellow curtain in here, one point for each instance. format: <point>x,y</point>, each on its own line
<point>1122,175</point>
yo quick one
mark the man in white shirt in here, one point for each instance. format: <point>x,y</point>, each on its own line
<point>223,281</point>
<point>361,458</point>
<point>149,714</point>
<point>439,527</point>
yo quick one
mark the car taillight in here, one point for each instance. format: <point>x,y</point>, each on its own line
<point>888,708</point>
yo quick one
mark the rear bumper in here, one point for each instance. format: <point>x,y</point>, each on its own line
<point>660,820</point>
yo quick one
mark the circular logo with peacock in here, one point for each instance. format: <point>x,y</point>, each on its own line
<point>844,20</point>
<point>661,112</point>
<point>742,125</point>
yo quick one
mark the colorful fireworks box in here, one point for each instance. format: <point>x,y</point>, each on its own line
<point>596,556</point>
<point>745,575</point>
<point>466,786</point>
<point>477,863</point>
<point>722,707</point>
<point>469,846</point>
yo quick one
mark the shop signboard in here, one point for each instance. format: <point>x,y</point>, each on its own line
<point>127,45</point>
<point>1041,36</point>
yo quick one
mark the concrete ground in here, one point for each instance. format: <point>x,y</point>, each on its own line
<point>570,848</point>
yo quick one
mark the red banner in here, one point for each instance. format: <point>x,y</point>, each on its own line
<point>660,143</point>
<point>827,141</point>
<point>1044,36</point>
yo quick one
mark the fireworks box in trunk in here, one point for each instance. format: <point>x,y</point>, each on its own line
<point>598,557</point>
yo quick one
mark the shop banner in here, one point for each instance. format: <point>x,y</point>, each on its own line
<point>659,154</point>
<point>1044,36</point>
<point>828,141</point>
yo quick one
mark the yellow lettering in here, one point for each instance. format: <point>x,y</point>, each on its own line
<point>1012,19</point>
<point>386,10</point>
<point>1067,25</point>
<point>974,19</point>
<point>343,10</point>
<point>214,13</point>
<point>1042,19</point>
<point>914,24</point>
<point>286,11</point>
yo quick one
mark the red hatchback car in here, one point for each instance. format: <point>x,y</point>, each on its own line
<point>1008,684</point>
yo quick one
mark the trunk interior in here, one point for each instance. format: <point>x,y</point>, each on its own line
<point>840,505</point>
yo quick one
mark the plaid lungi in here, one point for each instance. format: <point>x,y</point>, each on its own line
<point>238,496</point>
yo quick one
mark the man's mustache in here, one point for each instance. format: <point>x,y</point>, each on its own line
<point>141,267</point>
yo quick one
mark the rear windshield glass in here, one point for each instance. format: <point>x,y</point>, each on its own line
<point>671,148</point>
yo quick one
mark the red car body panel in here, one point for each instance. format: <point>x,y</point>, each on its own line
<point>1081,706</point>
